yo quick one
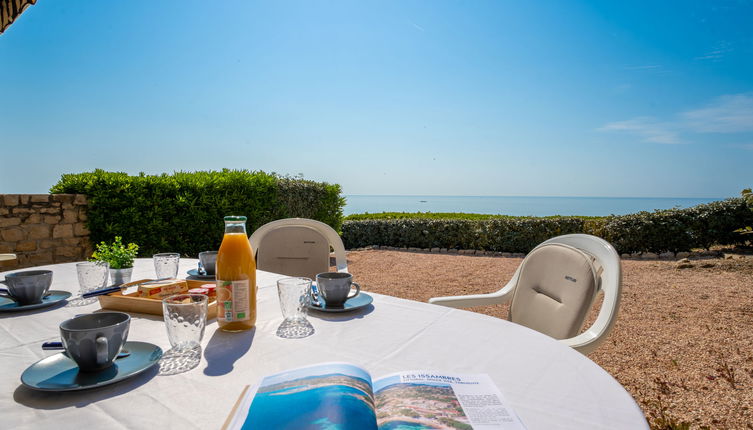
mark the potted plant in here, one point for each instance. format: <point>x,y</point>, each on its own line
<point>119,257</point>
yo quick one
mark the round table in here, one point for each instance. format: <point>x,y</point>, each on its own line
<point>548,384</point>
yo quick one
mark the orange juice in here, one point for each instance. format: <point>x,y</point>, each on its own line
<point>236,278</point>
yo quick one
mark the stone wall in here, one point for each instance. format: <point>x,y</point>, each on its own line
<point>43,229</point>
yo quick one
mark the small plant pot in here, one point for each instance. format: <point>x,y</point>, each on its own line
<point>120,276</point>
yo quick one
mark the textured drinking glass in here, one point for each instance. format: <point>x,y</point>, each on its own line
<point>295,297</point>
<point>185,318</point>
<point>166,265</point>
<point>92,275</point>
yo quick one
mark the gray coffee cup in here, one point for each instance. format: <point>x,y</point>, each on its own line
<point>208,261</point>
<point>334,288</point>
<point>28,287</point>
<point>93,341</point>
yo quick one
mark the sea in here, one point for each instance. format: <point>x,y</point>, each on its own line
<point>517,205</point>
<point>333,407</point>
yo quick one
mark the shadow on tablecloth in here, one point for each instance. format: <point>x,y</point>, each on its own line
<point>177,361</point>
<point>224,349</point>
<point>79,399</point>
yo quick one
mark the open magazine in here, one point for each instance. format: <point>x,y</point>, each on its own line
<point>343,396</point>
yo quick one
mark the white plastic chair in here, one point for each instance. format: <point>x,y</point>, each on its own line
<point>7,257</point>
<point>611,285</point>
<point>297,247</point>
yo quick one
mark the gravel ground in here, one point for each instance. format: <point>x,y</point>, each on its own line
<point>682,344</point>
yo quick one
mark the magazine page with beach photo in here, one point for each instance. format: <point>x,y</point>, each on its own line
<point>430,400</point>
<point>342,396</point>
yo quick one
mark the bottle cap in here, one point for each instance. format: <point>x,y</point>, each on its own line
<point>235,218</point>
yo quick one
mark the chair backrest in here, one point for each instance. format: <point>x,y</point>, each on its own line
<point>297,247</point>
<point>556,287</point>
<point>540,289</point>
<point>610,283</point>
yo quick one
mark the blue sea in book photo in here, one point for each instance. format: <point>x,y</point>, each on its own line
<point>334,407</point>
<point>330,398</point>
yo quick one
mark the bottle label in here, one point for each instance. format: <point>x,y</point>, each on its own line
<point>232,299</point>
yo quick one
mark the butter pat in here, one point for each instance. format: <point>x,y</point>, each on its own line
<point>162,290</point>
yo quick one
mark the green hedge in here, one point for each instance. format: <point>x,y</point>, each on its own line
<point>183,212</point>
<point>678,229</point>
<point>666,230</point>
<point>440,215</point>
<point>497,234</point>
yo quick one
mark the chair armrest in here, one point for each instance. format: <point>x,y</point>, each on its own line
<point>468,301</point>
<point>590,339</point>
<point>7,257</point>
<point>584,342</point>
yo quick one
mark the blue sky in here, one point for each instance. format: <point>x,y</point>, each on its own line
<point>560,98</point>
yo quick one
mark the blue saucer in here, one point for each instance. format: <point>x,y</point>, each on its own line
<point>60,373</point>
<point>195,274</point>
<point>357,302</point>
<point>9,305</point>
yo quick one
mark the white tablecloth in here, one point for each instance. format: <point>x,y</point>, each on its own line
<point>548,384</point>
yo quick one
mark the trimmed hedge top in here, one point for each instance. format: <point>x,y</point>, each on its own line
<point>183,212</point>
<point>659,231</point>
<point>448,215</point>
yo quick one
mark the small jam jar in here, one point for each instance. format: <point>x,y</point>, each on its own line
<point>212,288</point>
<point>199,290</point>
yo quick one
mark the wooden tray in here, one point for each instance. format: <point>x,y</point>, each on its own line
<point>132,303</point>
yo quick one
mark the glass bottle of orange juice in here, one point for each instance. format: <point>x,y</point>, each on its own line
<point>236,278</point>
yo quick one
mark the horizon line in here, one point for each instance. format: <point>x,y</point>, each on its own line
<point>530,196</point>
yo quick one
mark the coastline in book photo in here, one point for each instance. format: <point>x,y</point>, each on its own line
<point>418,406</point>
<point>337,397</point>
